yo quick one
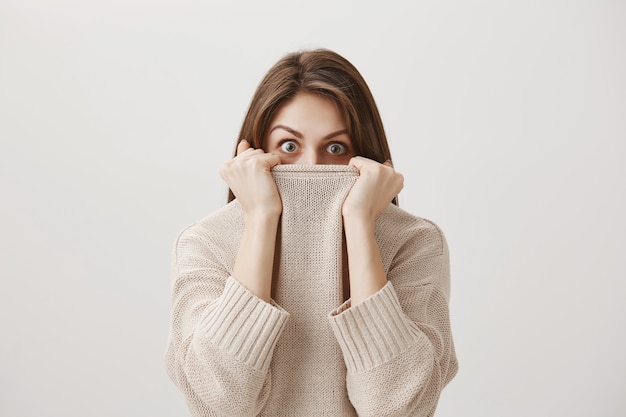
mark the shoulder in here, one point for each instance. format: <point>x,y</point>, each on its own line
<point>397,228</point>
<point>215,224</point>
<point>413,249</point>
<point>217,233</point>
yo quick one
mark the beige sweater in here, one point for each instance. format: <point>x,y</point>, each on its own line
<point>308,353</point>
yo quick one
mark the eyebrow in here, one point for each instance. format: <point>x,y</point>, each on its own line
<point>300,136</point>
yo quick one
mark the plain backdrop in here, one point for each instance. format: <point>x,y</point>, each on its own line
<point>508,119</point>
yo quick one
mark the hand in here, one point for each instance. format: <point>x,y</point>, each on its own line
<point>248,176</point>
<point>376,186</point>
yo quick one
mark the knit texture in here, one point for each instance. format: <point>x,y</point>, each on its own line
<point>308,352</point>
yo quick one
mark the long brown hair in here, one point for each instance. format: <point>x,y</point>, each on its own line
<point>323,72</point>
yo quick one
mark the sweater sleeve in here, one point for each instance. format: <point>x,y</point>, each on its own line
<point>397,344</point>
<point>221,335</point>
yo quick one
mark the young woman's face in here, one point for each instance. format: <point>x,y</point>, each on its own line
<point>309,129</point>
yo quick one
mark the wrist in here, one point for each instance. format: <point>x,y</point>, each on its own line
<point>261,219</point>
<point>263,213</point>
<point>359,220</point>
<point>357,228</point>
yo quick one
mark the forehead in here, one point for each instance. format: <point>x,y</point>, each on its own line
<point>309,109</point>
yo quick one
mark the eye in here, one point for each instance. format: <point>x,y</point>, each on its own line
<point>337,148</point>
<point>289,146</point>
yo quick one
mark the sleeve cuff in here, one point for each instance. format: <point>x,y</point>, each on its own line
<point>374,331</point>
<point>244,325</point>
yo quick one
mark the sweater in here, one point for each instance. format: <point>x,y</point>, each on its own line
<point>308,352</point>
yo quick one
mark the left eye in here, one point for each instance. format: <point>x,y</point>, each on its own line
<point>336,148</point>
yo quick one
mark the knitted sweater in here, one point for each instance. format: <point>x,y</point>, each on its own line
<point>308,352</point>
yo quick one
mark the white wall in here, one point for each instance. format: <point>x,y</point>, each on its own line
<point>507,119</point>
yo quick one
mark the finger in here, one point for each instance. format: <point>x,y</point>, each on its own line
<point>249,153</point>
<point>258,158</point>
<point>272,159</point>
<point>242,146</point>
<point>358,162</point>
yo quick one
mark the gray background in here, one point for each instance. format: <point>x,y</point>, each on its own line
<point>507,119</point>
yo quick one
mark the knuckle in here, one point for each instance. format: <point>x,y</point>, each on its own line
<point>225,166</point>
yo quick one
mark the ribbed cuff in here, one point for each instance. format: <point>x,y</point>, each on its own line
<point>244,325</point>
<point>374,331</point>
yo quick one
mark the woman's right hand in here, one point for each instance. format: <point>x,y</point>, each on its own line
<point>248,176</point>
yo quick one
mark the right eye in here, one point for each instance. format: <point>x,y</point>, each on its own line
<point>289,146</point>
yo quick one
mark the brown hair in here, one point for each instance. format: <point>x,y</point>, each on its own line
<point>326,73</point>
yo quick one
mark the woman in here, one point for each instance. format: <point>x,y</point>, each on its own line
<point>272,314</point>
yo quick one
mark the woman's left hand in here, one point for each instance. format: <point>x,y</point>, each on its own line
<point>376,186</point>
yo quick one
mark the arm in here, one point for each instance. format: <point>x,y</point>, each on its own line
<point>221,336</point>
<point>224,329</point>
<point>376,186</point>
<point>248,176</point>
<point>395,339</point>
<point>397,344</point>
